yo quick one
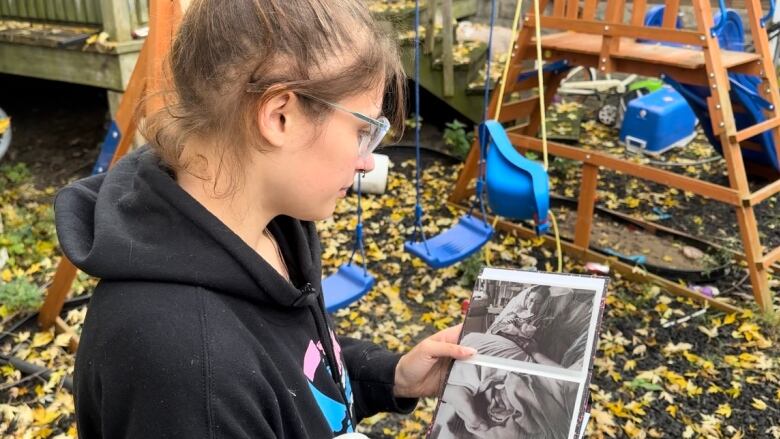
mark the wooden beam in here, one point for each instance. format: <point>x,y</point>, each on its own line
<point>626,270</point>
<point>116,20</point>
<point>699,187</point>
<point>596,27</point>
<point>756,129</point>
<point>764,193</point>
<point>586,205</point>
<point>57,293</point>
<point>770,258</point>
<point>447,48</point>
<point>101,70</point>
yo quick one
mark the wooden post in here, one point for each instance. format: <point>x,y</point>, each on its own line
<point>116,20</point>
<point>586,205</point>
<point>448,66</point>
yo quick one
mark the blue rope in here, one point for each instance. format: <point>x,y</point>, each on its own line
<point>483,136</point>
<point>418,209</point>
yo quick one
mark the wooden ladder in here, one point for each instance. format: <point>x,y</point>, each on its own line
<point>609,44</point>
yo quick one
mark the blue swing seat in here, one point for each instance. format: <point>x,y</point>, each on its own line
<point>517,188</point>
<point>453,245</point>
<point>346,286</point>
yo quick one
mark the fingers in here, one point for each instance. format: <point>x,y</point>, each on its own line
<point>439,349</point>
<point>449,335</point>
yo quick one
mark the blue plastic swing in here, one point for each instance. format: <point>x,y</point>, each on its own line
<point>470,233</point>
<point>351,281</point>
<point>518,188</point>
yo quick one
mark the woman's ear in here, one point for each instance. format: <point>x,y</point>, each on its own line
<point>274,117</point>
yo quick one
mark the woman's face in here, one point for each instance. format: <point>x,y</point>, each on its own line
<point>317,170</point>
<point>534,302</point>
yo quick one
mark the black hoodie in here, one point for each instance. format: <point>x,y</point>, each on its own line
<point>191,334</point>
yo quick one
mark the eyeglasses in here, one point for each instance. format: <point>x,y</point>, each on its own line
<point>370,139</point>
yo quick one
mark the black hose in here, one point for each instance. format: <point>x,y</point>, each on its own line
<point>32,369</point>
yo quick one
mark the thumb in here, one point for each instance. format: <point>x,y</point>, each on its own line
<point>442,349</point>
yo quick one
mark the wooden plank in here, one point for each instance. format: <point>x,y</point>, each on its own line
<point>627,271</point>
<point>671,11</point>
<point>558,8</point>
<point>75,66</point>
<point>759,278</point>
<point>647,53</point>
<point>116,19</point>
<point>57,293</point>
<point>572,8</point>
<point>771,257</point>
<point>589,9</point>
<point>447,47</point>
<point>595,28</point>
<point>756,129</point>
<point>638,13</point>
<point>764,193</point>
<point>671,179</point>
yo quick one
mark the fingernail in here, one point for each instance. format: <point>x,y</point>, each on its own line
<point>469,351</point>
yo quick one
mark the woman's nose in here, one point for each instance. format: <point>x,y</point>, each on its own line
<point>366,163</point>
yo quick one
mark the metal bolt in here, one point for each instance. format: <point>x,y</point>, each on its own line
<point>767,90</point>
<point>114,134</point>
<point>526,18</point>
<point>606,27</point>
<point>761,73</point>
<point>717,106</point>
<point>722,124</point>
<point>701,37</point>
<point>714,85</point>
<point>712,75</point>
<point>603,60</point>
<point>603,68</point>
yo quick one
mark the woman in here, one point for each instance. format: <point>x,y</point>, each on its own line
<point>513,333</point>
<point>209,320</point>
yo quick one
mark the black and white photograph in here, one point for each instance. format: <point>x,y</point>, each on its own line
<point>485,402</point>
<point>542,324</point>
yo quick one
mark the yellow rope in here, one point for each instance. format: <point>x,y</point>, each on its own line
<point>543,114</point>
<point>515,23</point>
<point>542,111</point>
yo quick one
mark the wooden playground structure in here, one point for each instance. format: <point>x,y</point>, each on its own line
<point>606,43</point>
<point>609,44</point>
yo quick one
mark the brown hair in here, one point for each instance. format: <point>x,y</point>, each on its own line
<point>228,58</point>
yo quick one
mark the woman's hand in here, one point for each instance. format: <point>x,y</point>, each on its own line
<point>421,371</point>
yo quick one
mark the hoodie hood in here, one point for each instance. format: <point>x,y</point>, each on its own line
<point>135,223</point>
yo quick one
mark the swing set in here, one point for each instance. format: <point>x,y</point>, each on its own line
<point>734,91</point>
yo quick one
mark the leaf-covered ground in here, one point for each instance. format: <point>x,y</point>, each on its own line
<point>713,376</point>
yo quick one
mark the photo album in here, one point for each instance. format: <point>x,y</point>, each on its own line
<point>536,335</point>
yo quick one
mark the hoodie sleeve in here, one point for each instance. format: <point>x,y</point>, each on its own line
<point>372,375</point>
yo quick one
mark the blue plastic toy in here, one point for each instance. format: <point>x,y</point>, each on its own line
<point>657,122</point>
<point>517,188</point>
